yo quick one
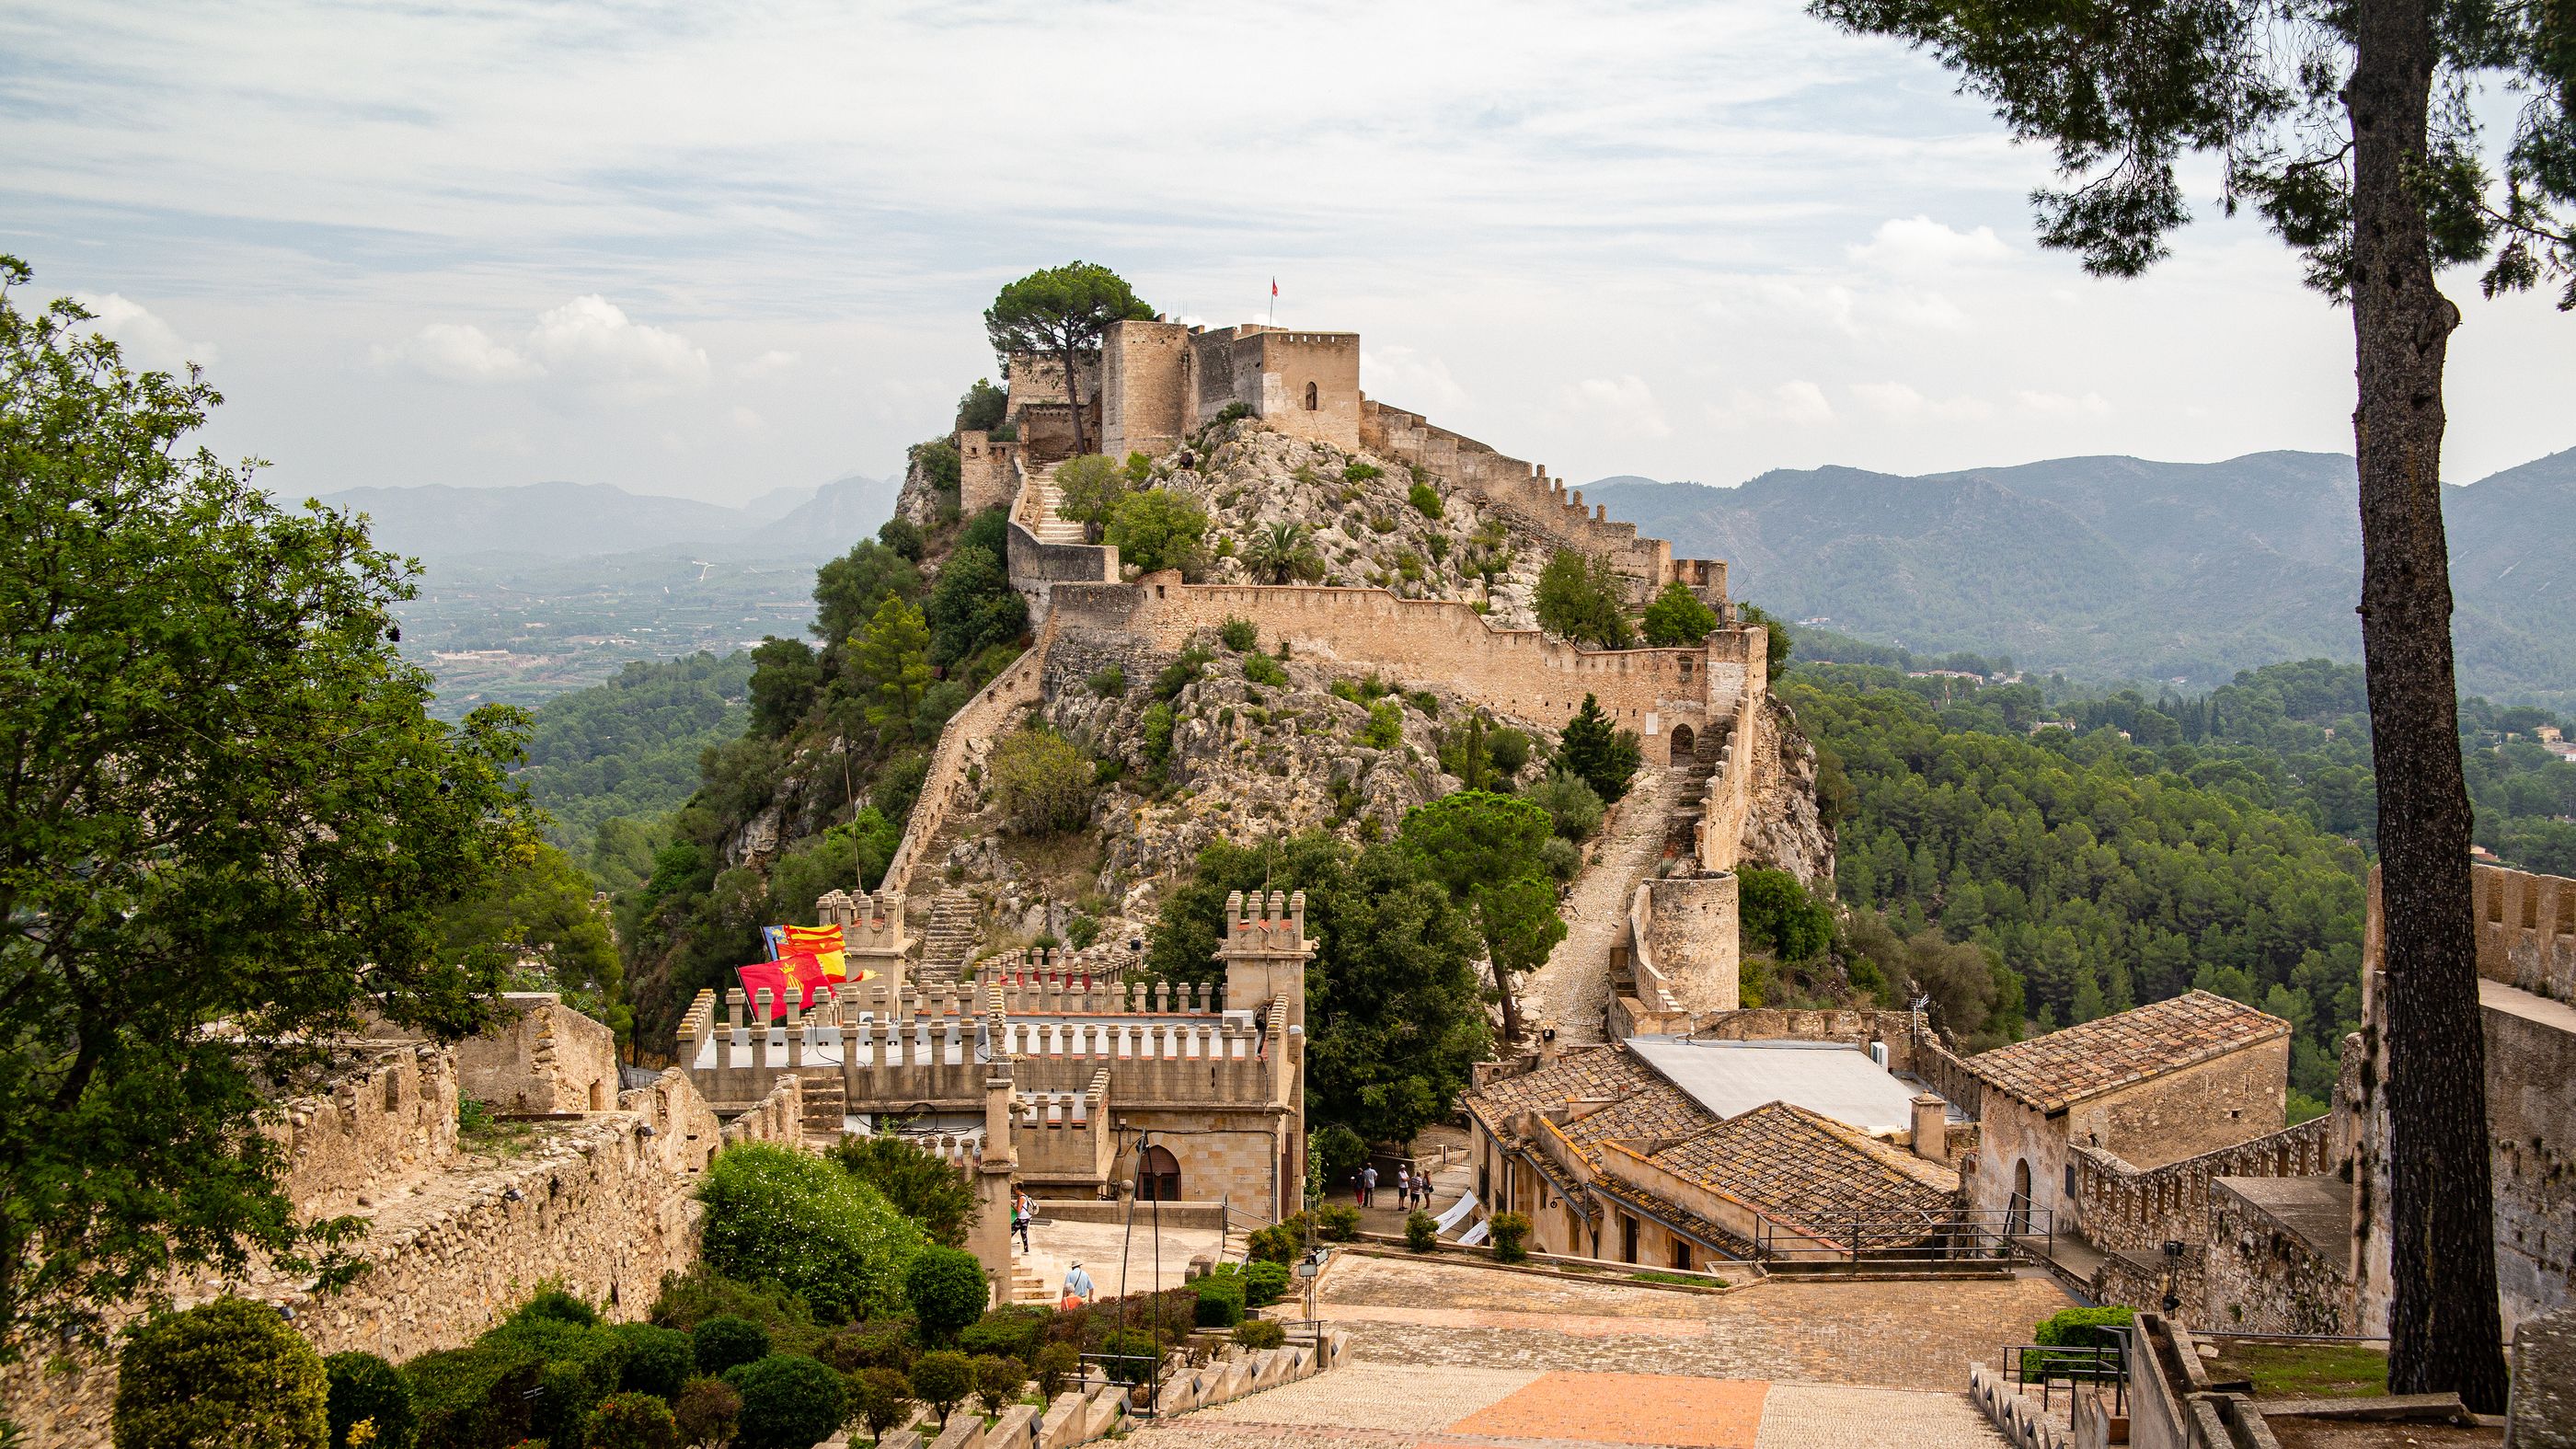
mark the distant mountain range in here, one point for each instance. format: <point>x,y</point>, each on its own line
<point>442,525</point>
<point>2118,568</point>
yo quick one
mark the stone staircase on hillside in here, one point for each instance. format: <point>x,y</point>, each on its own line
<point>1050,528</point>
<point>827,1106</point>
<point>948,942</point>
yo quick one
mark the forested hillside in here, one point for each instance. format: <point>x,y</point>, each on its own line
<point>609,761</point>
<point>2097,875</point>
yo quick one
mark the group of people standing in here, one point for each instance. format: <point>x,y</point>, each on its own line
<point>1412,1187</point>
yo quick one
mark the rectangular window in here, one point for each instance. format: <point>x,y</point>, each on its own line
<point>1682,1254</point>
<point>2070,1182</point>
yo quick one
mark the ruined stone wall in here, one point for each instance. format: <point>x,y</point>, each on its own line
<point>390,1118</point>
<point>2011,1135</point>
<point>984,717</point>
<point>2261,1275</point>
<point>2184,1114</point>
<point>1896,1030</point>
<point>986,477</point>
<point>540,1056</point>
<point>1521,672</point>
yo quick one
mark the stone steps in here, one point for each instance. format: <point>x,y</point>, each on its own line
<point>1028,1287</point>
<point>827,1106</point>
<point>1050,528</point>
<point>948,942</point>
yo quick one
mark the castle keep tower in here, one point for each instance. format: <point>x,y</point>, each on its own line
<point>1265,953</point>
<point>871,933</point>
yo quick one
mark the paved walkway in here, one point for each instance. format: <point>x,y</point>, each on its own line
<point>1445,1356</point>
<point>1572,988</point>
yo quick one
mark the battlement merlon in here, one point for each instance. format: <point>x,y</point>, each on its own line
<point>1265,952</point>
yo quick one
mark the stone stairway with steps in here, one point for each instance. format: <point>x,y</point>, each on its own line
<point>1028,1287</point>
<point>827,1106</point>
<point>1050,528</point>
<point>948,942</point>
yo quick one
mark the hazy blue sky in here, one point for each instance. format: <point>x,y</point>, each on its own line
<point>713,249</point>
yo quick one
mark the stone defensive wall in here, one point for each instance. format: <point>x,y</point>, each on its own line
<point>603,1201</point>
<point>1522,673</point>
<point>984,717</point>
<point>2526,930</point>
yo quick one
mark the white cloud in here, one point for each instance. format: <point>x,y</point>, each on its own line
<point>1622,406</point>
<point>147,342</point>
<point>1920,244</point>
<point>1406,378</point>
<point>747,420</point>
<point>1902,403</point>
<point>2060,405</point>
<point>1797,403</point>
<point>768,364</point>
<point>587,346</point>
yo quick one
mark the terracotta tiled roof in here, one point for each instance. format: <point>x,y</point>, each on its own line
<point>1672,1215</point>
<point>1603,1073</point>
<point>2050,1072</point>
<point>1657,1112</point>
<point>1801,1167</point>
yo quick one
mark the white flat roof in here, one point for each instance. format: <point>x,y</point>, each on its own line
<point>1730,1078</point>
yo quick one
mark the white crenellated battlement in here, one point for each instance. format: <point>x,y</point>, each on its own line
<point>870,921</point>
<point>1278,924</point>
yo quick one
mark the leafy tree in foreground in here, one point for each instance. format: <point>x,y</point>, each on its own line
<point>1062,311</point>
<point>1088,491</point>
<point>539,909</point>
<point>920,1185</point>
<point>224,801</point>
<point>2352,127</point>
<point>1677,618</point>
<point>1483,849</point>
<point>1597,752</point>
<point>1579,599</point>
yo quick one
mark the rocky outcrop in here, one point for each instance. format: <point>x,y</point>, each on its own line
<point>1783,829</point>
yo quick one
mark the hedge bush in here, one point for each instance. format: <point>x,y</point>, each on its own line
<point>1136,1349</point>
<point>577,1366</point>
<point>878,1343</point>
<point>365,1389</point>
<point>1011,1332</point>
<point>1264,1284</point>
<point>1220,1300</point>
<point>658,1360</point>
<point>1054,1364</point>
<point>722,1343</point>
<point>230,1372</point>
<point>1421,1231</point>
<point>472,1398</point>
<point>881,1399</point>
<point>774,1215</point>
<point>942,1380</point>
<point>1510,1230</point>
<point>1260,1333</point>
<point>947,1290</point>
<point>556,1304</point>
<point>1338,1221</point>
<point>708,1411</point>
<point>788,1401</point>
<point>631,1421</point>
<point>2082,1327</point>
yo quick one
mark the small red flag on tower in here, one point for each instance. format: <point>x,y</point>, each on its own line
<point>1274,286</point>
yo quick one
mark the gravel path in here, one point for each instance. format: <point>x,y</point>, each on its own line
<point>1573,988</point>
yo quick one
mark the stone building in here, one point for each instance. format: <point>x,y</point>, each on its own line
<point>1107,1089</point>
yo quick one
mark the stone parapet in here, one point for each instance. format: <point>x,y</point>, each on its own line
<point>983,717</point>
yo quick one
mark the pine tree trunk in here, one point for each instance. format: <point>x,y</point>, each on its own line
<point>1073,394</point>
<point>2443,1319</point>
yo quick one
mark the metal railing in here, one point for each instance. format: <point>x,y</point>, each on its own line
<point>2048,1366</point>
<point>1898,1241</point>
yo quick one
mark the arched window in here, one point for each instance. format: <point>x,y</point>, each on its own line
<point>2017,1212</point>
<point>1158,1177</point>
<point>1682,739</point>
<point>1312,399</point>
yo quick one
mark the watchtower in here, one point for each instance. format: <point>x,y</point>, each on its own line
<point>1265,953</point>
<point>872,934</point>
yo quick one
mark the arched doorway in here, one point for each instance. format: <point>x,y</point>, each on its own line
<point>1158,1175</point>
<point>2017,1212</point>
<point>1683,740</point>
<point>1313,399</point>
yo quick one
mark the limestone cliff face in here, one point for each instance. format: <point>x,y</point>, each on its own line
<point>1783,830</point>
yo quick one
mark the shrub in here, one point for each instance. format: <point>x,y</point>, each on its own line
<point>472,1398</point>
<point>1385,727</point>
<point>1159,529</point>
<point>1260,1333</point>
<point>903,536</point>
<point>1421,1231</point>
<point>779,1215</point>
<point>920,1185</point>
<point>630,1421</point>
<point>1234,412</point>
<point>691,1298</point>
<point>708,1412</point>
<point>1561,857</point>
<point>1054,1364</point>
<point>942,1380</point>
<point>722,1343</point>
<point>1509,749</point>
<point>1262,669</point>
<point>1131,1356</point>
<point>1510,1230</point>
<point>1264,1284</point>
<point>947,1291</point>
<point>1338,1221</point>
<point>1360,472</point>
<point>1573,807</point>
<point>231,1372</point>
<point>1425,499</point>
<point>862,1346</point>
<point>1081,931</point>
<point>2082,1327</point>
<point>1011,1332</point>
<point>1277,1243</point>
<point>1220,1300</point>
<point>997,1381</point>
<point>365,1389</point>
<point>1238,634</point>
<point>577,1366</point>
<point>555,1305</point>
<point>659,1361</point>
<point>789,1401</point>
<point>1677,618</point>
<point>881,1399</point>
<point>1042,781</point>
<point>1579,598</point>
<point>1109,682</point>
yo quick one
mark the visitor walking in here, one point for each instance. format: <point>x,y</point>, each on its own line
<point>1077,1288</point>
<point>1021,1211</point>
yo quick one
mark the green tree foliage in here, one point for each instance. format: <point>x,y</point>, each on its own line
<point>2099,878</point>
<point>1484,849</point>
<point>981,409</point>
<point>1778,639</point>
<point>938,462</point>
<point>786,679</point>
<point>1062,312</point>
<point>1281,551</point>
<point>230,1372</point>
<point>1510,1231</point>
<point>658,1361</point>
<point>947,1290</point>
<point>1677,619</point>
<point>539,912</point>
<point>1238,634</point>
<point>708,1413</point>
<point>850,590</point>
<point>725,1341</point>
<point>1425,500</point>
<point>1394,1004</point>
<point>1220,1300</point>
<point>973,606</point>
<point>789,1401</point>
<point>1089,490</point>
<point>1580,599</point>
<point>942,1380</point>
<point>365,1389</point>
<point>880,1399</point>
<point>630,1421</point>
<point>780,1216</point>
<point>904,537</point>
<point>1971,994</point>
<point>226,802</point>
<point>920,1185</point>
<point>1042,781</point>
<point>997,1381</point>
<point>1775,914</point>
<point>891,666</point>
<point>1574,808</point>
<point>857,850</point>
<point>1598,753</point>
<point>1160,529</point>
<point>628,749</point>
